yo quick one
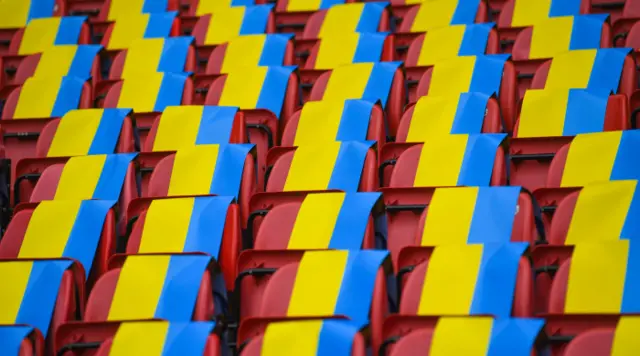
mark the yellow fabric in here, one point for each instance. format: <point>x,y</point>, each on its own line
<point>571,69</point>
<point>37,98</point>
<point>315,222</point>
<point>596,277</point>
<point>128,29</point>
<point>626,341</point>
<point>120,8</point>
<point>530,12</point>
<point>292,338</point>
<point>319,122</point>
<point>75,133</point>
<point>242,88</point>
<point>303,5</point>
<point>224,25</point>
<point>452,263</point>
<point>39,35</point>
<point>543,113</point>
<point>139,338</point>
<point>14,13</point>
<point>312,167</point>
<point>449,216</point>
<point>206,7</point>
<point>446,336</point>
<point>15,276</point>
<point>590,158</point>
<point>143,56</point>
<point>434,14</point>
<point>243,51</point>
<point>441,44</point>
<point>436,169</point>
<point>49,229</point>
<point>336,51</point>
<point>433,116</point>
<point>348,82</point>
<point>56,61</point>
<point>178,128</point>
<point>139,287</point>
<point>340,19</point>
<point>452,76</point>
<point>589,223</point>
<point>193,170</point>
<point>317,283</point>
<point>80,177</point>
<point>166,226</point>
<point>140,92</point>
<point>550,37</point>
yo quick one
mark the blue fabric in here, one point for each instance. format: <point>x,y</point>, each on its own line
<point>514,337</point>
<point>153,6</point>
<point>255,19</point>
<point>470,113</point>
<point>85,234</point>
<point>275,47</point>
<point>369,47</point>
<point>631,228</point>
<point>216,124</point>
<point>351,224</point>
<point>466,12</point>
<point>358,281</point>
<point>171,90</point>
<point>229,167</point>
<point>479,158</point>
<point>108,133</point>
<point>487,74</point>
<point>41,294</point>
<point>370,16</point>
<point>587,31</point>
<point>585,112</point>
<point>564,8</point>
<point>181,286</point>
<point>496,283</point>
<point>40,8</point>
<point>174,54</point>
<point>348,167</point>
<point>112,176</point>
<point>354,123</point>
<point>11,338</point>
<point>336,338</point>
<point>82,62</point>
<point>185,339</point>
<point>626,164</point>
<point>475,39</point>
<point>242,2</point>
<point>631,294</point>
<point>325,4</point>
<point>69,30</point>
<point>607,69</point>
<point>380,81</point>
<point>206,226</point>
<point>159,25</point>
<point>68,95</point>
<point>493,215</point>
<point>274,89</point>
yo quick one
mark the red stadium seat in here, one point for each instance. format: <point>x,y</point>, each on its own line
<point>98,10</point>
<point>10,38</point>
<point>212,65</point>
<point>596,342</point>
<point>616,9</point>
<point>293,22</point>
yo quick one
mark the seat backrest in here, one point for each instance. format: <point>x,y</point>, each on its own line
<point>597,342</point>
<point>150,92</point>
<point>348,17</point>
<point>215,29</point>
<point>173,54</point>
<point>429,16</point>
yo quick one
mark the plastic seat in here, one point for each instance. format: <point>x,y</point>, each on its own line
<point>273,50</point>
<point>27,340</point>
<point>19,14</point>
<point>616,9</point>
<point>198,8</point>
<point>292,18</point>
<point>100,13</point>
<point>373,17</point>
<point>596,342</point>
<point>623,32</point>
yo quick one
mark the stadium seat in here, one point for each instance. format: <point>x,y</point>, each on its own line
<point>25,340</point>
<point>623,28</point>
<point>616,9</point>
<point>606,341</point>
<point>198,8</point>
<point>16,14</point>
<point>248,51</point>
<point>112,10</point>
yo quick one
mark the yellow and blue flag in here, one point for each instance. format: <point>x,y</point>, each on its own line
<point>366,81</point>
<point>604,278</point>
<point>466,215</point>
<point>254,50</point>
<point>333,220</point>
<point>348,48</point>
<point>29,292</point>
<point>67,60</point>
<point>227,24</point>
<point>187,225</point>
<point>256,88</point>
<point>477,279</point>
<point>484,336</point>
<point>452,41</point>
<point>87,132</point>
<point>440,13</point>
<point>43,33</point>
<point>469,160</point>
<point>556,35</point>
<point>596,69</point>
<point>156,55</point>
<point>161,338</point>
<point>336,283</point>
<point>132,27</point>
<point>190,125</point>
<point>351,17</point>
<point>435,116</point>
<point>562,112</point>
<point>625,339</point>
<point>602,156</point>
<point>158,287</point>
<point>530,12</point>
<point>331,165</point>
<point>312,6</point>
<point>12,337</point>
<point>47,97</point>
<point>482,74</point>
<point>93,177</point>
<point>123,8</point>
<point>207,7</point>
<point>326,121</point>
<point>16,14</point>
<point>152,92</point>
<point>66,228</point>
<point>312,337</point>
<point>208,169</point>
